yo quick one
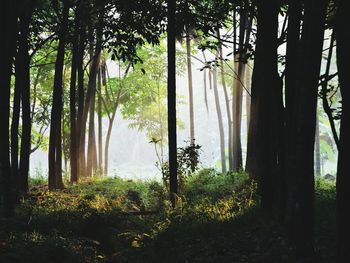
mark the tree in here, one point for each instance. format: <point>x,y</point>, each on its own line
<point>8,31</point>
<point>343,180</point>
<point>219,116</point>
<point>172,137</point>
<point>300,162</point>
<point>55,154</point>
<point>266,96</point>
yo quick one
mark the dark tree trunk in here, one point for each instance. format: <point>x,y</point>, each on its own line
<point>300,162</point>
<point>8,33</point>
<point>262,157</point>
<point>72,97</point>
<point>23,78</point>
<point>292,54</point>
<point>19,79</point>
<point>57,104</point>
<point>172,134</point>
<point>343,178</point>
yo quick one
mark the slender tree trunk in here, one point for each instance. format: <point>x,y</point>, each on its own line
<point>228,110</point>
<point>317,147</point>
<point>8,31</point>
<point>20,78</point>
<point>172,134</point>
<point>205,90</point>
<point>237,115</point>
<point>59,142</point>
<point>99,114</point>
<point>237,102</point>
<point>343,179</point>
<point>24,82</point>
<point>220,123</point>
<point>72,100</point>
<point>190,85</point>
<point>248,79</point>
<point>92,155</point>
<point>108,138</point>
<point>324,88</point>
<point>55,166</point>
<point>81,98</point>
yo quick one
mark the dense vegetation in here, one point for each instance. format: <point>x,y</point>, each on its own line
<point>114,220</point>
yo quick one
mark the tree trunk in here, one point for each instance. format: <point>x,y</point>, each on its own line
<point>240,67</point>
<point>56,111</point>
<point>237,99</point>
<point>81,108</point>
<point>228,110</point>
<point>317,147</point>
<point>343,179</point>
<point>92,155</point>
<point>266,92</point>
<point>172,134</point>
<point>24,68</point>
<point>72,100</point>
<point>190,85</point>
<point>248,79</point>
<point>108,138</point>
<point>292,54</point>
<point>220,123</point>
<point>99,114</point>
<point>8,31</point>
<point>302,136</point>
<point>19,79</point>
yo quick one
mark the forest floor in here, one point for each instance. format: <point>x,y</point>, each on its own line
<point>115,220</point>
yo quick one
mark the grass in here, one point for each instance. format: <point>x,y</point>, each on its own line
<point>116,220</point>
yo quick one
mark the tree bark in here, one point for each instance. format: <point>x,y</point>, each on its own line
<point>228,110</point>
<point>72,99</point>
<point>92,155</point>
<point>172,134</point>
<point>24,81</point>
<point>99,114</point>
<point>220,123</point>
<point>266,92</point>
<point>317,147</point>
<point>190,85</point>
<point>248,79</point>
<point>292,54</point>
<point>81,98</point>
<point>56,111</point>
<point>302,131</point>
<point>8,31</point>
<point>343,179</point>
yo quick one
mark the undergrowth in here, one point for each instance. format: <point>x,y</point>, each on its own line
<point>117,220</point>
